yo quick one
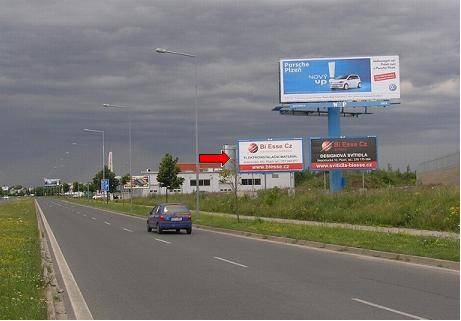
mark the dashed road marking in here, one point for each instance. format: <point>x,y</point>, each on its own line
<point>229,261</point>
<point>388,309</point>
<point>105,222</point>
<point>160,240</point>
<point>128,230</point>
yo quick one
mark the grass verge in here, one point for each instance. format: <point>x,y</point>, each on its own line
<point>433,247</point>
<point>439,248</point>
<point>430,208</point>
<point>22,293</point>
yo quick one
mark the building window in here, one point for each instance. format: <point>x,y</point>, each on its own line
<point>249,181</point>
<point>275,175</point>
<point>202,182</point>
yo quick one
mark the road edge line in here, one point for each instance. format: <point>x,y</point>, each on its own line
<point>427,262</point>
<point>77,301</point>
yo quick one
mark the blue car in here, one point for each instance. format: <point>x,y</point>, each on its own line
<point>170,216</point>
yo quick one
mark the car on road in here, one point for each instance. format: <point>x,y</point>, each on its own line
<point>6,197</point>
<point>346,82</point>
<point>170,216</point>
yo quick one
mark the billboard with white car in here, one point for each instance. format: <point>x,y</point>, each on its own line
<point>339,79</point>
<point>270,155</point>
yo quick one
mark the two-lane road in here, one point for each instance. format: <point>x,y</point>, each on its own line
<point>124,272</point>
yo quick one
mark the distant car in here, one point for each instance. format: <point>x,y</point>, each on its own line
<point>98,197</point>
<point>346,82</point>
<point>6,197</point>
<point>170,216</point>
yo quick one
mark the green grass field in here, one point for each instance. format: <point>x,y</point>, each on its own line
<point>428,208</point>
<point>440,248</point>
<point>21,288</point>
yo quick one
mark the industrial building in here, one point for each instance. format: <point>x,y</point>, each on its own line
<point>210,181</point>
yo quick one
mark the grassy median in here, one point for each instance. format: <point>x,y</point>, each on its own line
<point>431,208</point>
<point>440,248</point>
<point>22,293</point>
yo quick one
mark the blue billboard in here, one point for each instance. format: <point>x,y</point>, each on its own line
<point>339,79</point>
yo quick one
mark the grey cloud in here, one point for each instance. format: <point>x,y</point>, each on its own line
<point>61,60</point>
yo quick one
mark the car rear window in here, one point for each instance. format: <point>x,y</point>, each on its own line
<point>176,208</point>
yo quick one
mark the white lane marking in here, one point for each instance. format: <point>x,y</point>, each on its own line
<point>78,303</point>
<point>93,218</point>
<point>84,214</point>
<point>228,261</point>
<point>389,309</point>
<point>160,240</point>
<point>358,256</point>
<point>105,222</point>
<point>125,229</point>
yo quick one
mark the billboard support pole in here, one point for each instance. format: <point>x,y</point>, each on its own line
<point>334,130</point>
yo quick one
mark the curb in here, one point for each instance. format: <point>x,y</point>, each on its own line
<point>342,248</point>
<point>56,309</point>
<point>380,229</point>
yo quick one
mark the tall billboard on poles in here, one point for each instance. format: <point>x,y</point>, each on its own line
<point>339,79</point>
<point>345,153</point>
<point>270,155</point>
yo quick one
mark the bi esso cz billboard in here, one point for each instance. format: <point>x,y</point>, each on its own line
<point>275,155</point>
<point>50,182</point>
<point>357,153</point>
<point>339,79</point>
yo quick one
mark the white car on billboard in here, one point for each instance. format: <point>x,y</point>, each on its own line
<point>346,82</point>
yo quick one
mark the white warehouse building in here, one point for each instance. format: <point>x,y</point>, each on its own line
<point>209,180</point>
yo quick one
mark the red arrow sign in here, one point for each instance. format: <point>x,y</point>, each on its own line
<point>214,158</point>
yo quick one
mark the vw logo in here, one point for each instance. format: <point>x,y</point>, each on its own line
<point>392,87</point>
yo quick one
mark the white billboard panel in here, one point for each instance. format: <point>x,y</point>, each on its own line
<point>50,182</point>
<point>271,155</point>
<point>339,79</point>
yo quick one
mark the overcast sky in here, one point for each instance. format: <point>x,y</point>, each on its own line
<point>59,60</point>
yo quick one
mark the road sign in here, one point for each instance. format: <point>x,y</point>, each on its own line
<point>105,185</point>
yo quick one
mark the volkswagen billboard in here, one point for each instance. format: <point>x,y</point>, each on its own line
<point>339,79</point>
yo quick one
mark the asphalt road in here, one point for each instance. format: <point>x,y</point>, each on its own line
<point>126,273</point>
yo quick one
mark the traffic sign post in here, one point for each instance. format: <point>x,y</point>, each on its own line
<point>105,185</point>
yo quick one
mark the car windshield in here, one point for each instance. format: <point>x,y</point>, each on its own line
<point>342,77</point>
<point>175,209</point>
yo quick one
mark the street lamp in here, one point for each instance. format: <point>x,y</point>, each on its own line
<point>129,134</point>
<point>100,132</point>
<point>197,169</point>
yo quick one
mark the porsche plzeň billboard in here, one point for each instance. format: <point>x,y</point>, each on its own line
<point>357,153</point>
<point>339,79</point>
<point>270,155</point>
